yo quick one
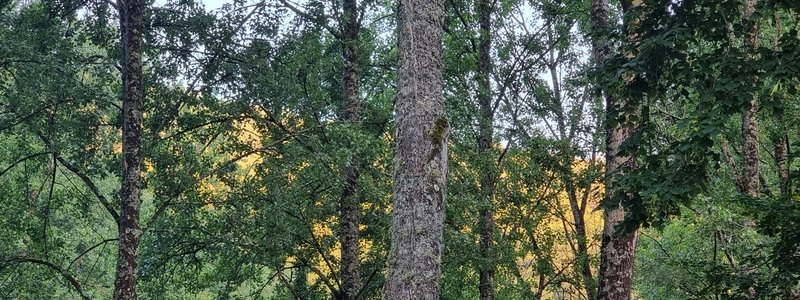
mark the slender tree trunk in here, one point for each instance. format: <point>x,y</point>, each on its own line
<point>618,250</point>
<point>781,163</point>
<point>750,149</point>
<point>485,133</point>
<point>577,209</point>
<point>781,138</point>
<point>130,14</point>
<point>749,121</point>
<point>348,236</point>
<point>420,163</point>
<point>349,218</point>
<point>578,213</point>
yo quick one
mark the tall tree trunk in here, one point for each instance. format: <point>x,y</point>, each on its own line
<point>130,14</point>
<point>485,133</point>
<point>349,206</point>
<point>420,163</point>
<point>749,121</point>
<point>617,250</point>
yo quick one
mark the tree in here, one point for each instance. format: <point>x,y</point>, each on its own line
<point>485,149</point>
<point>350,204</point>
<point>420,154</point>
<point>130,232</point>
<point>618,248</point>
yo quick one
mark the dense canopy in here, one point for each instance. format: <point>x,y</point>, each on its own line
<point>403,149</point>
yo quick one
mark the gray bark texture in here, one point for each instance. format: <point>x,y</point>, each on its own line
<point>349,207</point>
<point>420,162</point>
<point>618,251</point>
<point>130,14</point>
<point>485,133</point>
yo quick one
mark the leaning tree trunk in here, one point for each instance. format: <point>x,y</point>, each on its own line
<point>420,163</point>
<point>618,250</point>
<point>349,206</point>
<point>485,133</point>
<point>130,14</point>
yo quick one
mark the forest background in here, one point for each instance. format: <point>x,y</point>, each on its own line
<point>268,137</point>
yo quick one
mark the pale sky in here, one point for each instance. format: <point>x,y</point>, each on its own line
<point>210,4</point>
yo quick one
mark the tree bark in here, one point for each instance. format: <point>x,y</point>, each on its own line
<point>781,163</point>
<point>750,149</point>
<point>349,207</point>
<point>618,249</point>
<point>420,163</point>
<point>485,133</point>
<point>130,14</point>
<point>749,122</point>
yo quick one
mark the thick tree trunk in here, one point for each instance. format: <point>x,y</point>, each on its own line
<point>420,163</point>
<point>349,218</point>
<point>130,14</point>
<point>485,133</point>
<point>618,250</point>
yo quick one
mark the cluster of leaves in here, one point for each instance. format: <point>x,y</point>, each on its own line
<point>691,74</point>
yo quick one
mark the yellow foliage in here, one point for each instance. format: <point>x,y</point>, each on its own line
<point>558,224</point>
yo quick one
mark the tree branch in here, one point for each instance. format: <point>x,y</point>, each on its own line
<point>315,19</point>
<point>71,279</point>
<point>89,250</point>
<point>21,160</point>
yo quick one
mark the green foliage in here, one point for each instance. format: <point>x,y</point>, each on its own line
<point>245,150</point>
